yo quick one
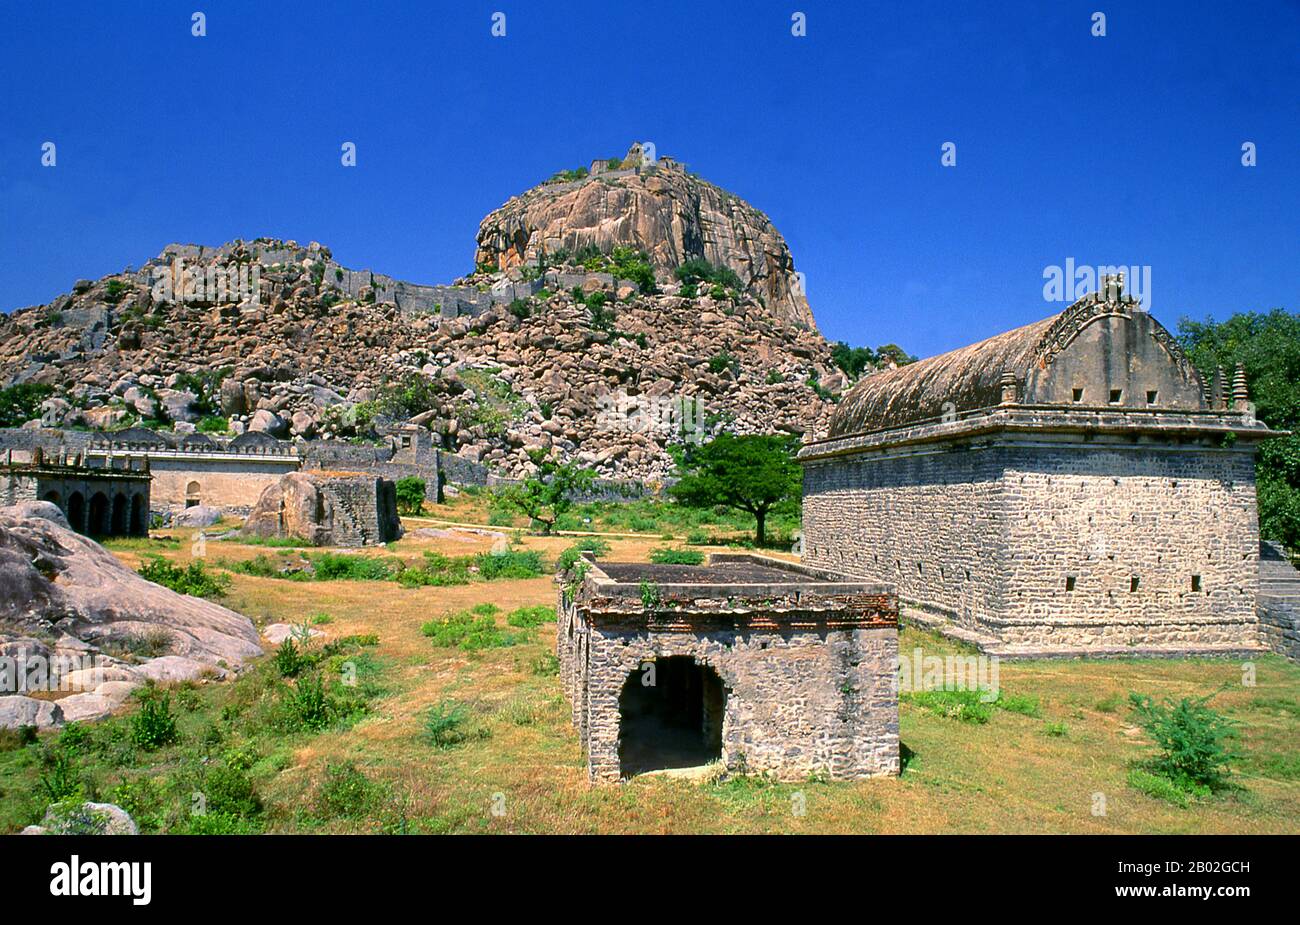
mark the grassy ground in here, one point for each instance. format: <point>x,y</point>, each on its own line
<point>509,761</point>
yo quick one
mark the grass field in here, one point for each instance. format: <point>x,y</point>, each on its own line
<point>454,740</point>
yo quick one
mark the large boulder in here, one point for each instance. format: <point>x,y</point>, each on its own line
<point>327,509</point>
<point>198,516</point>
<point>85,819</point>
<point>17,710</point>
<point>50,575</point>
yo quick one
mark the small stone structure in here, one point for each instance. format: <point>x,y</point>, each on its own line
<point>328,509</point>
<point>1071,487</point>
<point>761,664</point>
<point>106,500</point>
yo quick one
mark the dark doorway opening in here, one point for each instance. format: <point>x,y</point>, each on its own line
<point>98,524</point>
<point>139,517</point>
<point>671,717</point>
<point>119,515</point>
<point>77,512</point>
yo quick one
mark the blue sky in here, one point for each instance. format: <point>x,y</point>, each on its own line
<point>1124,149</point>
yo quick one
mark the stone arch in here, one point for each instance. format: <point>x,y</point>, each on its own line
<point>99,523</point>
<point>139,516</point>
<point>121,513</point>
<point>53,497</point>
<point>676,722</point>
<point>77,511</point>
<point>193,493</point>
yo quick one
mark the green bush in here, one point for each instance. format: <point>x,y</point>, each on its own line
<point>347,792</point>
<point>194,579</point>
<point>288,660</point>
<point>510,564</point>
<point>309,706</point>
<point>154,724</point>
<point>446,725</point>
<point>22,403</point>
<point>666,556</point>
<point>60,774</point>
<point>1153,785</point>
<point>410,494</point>
<point>528,617</point>
<point>1192,739</point>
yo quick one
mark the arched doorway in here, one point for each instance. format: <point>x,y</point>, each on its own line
<point>98,524</point>
<point>120,511</point>
<point>670,717</point>
<point>139,516</point>
<point>52,497</point>
<point>77,512</point>
<point>192,495</point>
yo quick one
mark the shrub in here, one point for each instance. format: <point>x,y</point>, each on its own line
<point>666,556</point>
<point>546,665</point>
<point>594,546</point>
<point>288,660</point>
<point>1019,703</point>
<point>347,792</point>
<point>308,704</point>
<point>1056,730</point>
<point>194,579</point>
<point>1193,740</point>
<point>60,775</point>
<point>437,570</point>
<point>334,566</point>
<point>528,617</point>
<point>446,725</point>
<point>520,308</point>
<point>510,564</point>
<point>154,724</point>
<point>410,494</point>
<point>230,790</point>
<point>145,645</point>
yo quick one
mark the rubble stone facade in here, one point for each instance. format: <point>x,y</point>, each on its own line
<point>764,666</point>
<point>97,501</point>
<point>1068,488</point>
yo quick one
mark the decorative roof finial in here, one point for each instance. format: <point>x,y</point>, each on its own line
<point>1240,397</point>
<point>1112,286</point>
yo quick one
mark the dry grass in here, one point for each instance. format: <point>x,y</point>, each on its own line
<point>1006,776</point>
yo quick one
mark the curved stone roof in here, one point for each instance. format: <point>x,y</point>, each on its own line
<point>254,438</point>
<point>969,377</point>
<point>138,435</point>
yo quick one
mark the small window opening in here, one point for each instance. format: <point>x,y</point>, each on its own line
<point>1133,583</point>
<point>1116,395</point>
<point>1153,395</point>
<point>1069,582</point>
<point>1196,582</point>
<point>1077,394</point>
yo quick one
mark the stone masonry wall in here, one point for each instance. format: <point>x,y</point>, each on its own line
<point>1160,545</point>
<point>798,701</point>
<point>926,522</point>
<point>222,483</point>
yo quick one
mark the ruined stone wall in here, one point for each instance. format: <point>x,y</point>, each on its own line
<point>797,701</point>
<point>1159,544</point>
<point>226,483</point>
<point>364,510</point>
<point>930,522</point>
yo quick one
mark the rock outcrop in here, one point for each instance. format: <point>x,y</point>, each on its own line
<point>569,360</point>
<point>654,207</point>
<point>327,509</point>
<point>72,614</point>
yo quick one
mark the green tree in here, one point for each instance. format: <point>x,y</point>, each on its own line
<point>1268,346</point>
<point>750,473</point>
<point>549,493</point>
<point>410,494</point>
<point>20,403</point>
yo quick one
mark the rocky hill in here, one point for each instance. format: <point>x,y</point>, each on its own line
<point>592,348</point>
<point>654,207</point>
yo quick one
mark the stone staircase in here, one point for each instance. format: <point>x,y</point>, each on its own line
<point>1279,601</point>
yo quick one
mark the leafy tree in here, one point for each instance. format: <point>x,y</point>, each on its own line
<point>1268,346</point>
<point>750,473</point>
<point>410,494</point>
<point>544,497</point>
<point>887,352</point>
<point>20,403</point>
<point>853,360</point>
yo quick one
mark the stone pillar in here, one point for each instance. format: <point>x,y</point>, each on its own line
<point>1009,388</point>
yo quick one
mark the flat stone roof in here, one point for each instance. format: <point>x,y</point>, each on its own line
<point>714,573</point>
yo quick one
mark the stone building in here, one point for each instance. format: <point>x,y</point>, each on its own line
<point>328,509</point>
<point>1069,487</point>
<point>757,663</point>
<point>196,469</point>
<point>97,501</point>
